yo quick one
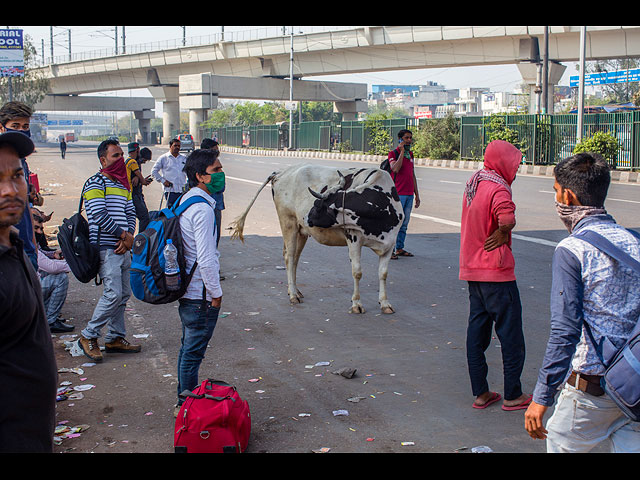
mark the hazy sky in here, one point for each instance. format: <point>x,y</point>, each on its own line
<point>86,38</point>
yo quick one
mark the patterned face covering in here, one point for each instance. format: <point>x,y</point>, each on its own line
<point>572,214</point>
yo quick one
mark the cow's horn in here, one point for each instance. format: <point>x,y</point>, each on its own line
<point>317,195</point>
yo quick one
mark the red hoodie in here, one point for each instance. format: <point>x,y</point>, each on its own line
<point>491,207</point>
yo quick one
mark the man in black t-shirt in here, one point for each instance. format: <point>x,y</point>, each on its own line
<point>28,372</point>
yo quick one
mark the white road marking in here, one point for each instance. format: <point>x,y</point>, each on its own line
<point>444,221</point>
<point>516,236</point>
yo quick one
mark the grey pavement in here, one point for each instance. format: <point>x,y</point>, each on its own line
<point>411,391</point>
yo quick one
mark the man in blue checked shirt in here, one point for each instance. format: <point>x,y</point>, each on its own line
<point>587,286</point>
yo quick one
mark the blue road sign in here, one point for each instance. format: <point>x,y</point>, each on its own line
<point>603,78</point>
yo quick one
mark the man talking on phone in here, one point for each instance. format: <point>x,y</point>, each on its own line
<point>403,174</point>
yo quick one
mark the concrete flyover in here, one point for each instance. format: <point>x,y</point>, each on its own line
<point>352,50</point>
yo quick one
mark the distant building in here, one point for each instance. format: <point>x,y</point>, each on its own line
<point>436,101</point>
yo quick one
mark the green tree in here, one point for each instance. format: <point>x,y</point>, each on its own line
<point>378,134</point>
<point>318,111</point>
<point>497,130</point>
<point>29,89</point>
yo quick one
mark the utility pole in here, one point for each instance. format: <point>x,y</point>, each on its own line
<point>583,52</point>
<point>124,41</point>
<point>545,72</point>
<point>291,92</point>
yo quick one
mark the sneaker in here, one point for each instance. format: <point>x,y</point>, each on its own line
<point>121,345</point>
<point>90,348</point>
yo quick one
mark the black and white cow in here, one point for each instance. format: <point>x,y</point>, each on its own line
<point>355,207</point>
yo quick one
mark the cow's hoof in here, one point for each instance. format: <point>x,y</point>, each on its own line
<point>295,300</point>
<point>389,309</point>
<point>357,309</point>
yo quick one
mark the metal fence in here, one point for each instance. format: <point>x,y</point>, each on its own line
<point>547,139</point>
<point>544,139</point>
<point>316,135</point>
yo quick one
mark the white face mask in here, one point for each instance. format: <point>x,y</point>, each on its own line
<point>572,214</point>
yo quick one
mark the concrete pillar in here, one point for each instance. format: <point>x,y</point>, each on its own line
<point>529,72</point>
<point>350,110</point>
<point>196,117</point>
<point>168,95</point>
<point>144,125</point>
<point>170,120</point>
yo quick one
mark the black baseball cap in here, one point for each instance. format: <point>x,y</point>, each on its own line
<point>22,144</point>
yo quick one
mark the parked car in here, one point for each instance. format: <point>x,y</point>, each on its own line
<point>186,142</point>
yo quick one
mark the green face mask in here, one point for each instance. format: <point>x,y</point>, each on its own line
<point>216,184</point>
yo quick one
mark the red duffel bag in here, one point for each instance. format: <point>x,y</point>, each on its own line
<point>212,419</point>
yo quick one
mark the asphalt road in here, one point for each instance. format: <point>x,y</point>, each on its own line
<point>411,391</point>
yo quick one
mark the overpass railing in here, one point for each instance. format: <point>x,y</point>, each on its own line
<point>192,41</point>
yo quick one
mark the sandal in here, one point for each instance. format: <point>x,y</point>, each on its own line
<point>403,253</point>
<point>394,256</point>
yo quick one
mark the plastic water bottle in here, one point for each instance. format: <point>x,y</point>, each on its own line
<point>171,269</point>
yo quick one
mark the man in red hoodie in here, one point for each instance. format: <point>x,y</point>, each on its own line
<point>487,264</point>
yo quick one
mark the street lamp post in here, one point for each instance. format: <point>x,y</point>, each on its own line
<point>583,51</point>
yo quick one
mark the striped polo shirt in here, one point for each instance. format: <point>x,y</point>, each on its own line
<point>110,210</point>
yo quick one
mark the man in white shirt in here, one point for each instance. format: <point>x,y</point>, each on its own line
<point>168,171</point>
<point>200,305</point>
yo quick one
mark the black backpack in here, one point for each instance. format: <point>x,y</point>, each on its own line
<point>386,165</point>
<point>81,255</point>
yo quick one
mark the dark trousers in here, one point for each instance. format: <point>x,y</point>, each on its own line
<point>142,212</point>
<point>218,214</point>
<point>171,198</point>
<point>495,303</point>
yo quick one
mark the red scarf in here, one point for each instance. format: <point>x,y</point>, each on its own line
<point>118,170</point>
<point>484,174</point>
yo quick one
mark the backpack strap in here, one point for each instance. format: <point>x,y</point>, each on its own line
<point>175,211</point>
<point>609,248</point>
<point>601,243</point>
<point>178,208</point>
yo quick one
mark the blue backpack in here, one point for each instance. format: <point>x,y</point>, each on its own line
<point>621,380</point>
<point>147,277</point>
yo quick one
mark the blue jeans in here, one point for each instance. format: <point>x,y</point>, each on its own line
<point>54,293</point>
<point>407,206</point>
<point>199,319</point>
<point>499,303</point>
<point>114,272</point>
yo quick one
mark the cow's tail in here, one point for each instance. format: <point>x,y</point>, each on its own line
<point>237,226</point>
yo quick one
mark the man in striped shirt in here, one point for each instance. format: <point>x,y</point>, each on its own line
<point>112,221</point>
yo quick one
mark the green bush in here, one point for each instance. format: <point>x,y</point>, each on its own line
<point>379,136</point>
<point>602,143</point>
<point>438,139</point>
